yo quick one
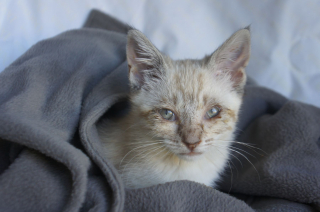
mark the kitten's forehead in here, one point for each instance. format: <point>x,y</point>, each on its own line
<point>193,86</point>
<point>186,81</point>
<point>189,88</point>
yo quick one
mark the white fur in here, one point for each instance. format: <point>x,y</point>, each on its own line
<point>147,149</point>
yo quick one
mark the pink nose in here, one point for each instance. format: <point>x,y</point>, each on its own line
<point>191,146</point>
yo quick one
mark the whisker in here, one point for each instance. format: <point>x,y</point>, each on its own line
<point>153,151</point>
<point>248,161</point>
<point>229,167</point>
<point>242,151</point>
<point>232,147</point>
<point>135,149</point>
<point>238,129</point>
<point>231,155</point>
<point>237,159</point>
<point>153,148</point>
<point>130,127</point>
<point>156,153</point>
<point>231,178</point>
<point>249,145</point>
<point>245,158</point>
<point>230,141</point>
<point>145,142</point>
<point>233,163</point>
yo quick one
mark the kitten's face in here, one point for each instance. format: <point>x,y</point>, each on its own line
<point>190,105</point>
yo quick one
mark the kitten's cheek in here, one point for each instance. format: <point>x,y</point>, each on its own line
<point>170,145</point>
<point>174,147</point>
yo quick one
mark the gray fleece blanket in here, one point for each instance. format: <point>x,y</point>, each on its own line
<point>52,97</point>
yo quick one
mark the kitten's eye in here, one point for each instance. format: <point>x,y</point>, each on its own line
<point>212,112</point>
<point>167,114</point>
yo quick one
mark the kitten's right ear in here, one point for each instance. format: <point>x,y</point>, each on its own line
<point>144,60</point>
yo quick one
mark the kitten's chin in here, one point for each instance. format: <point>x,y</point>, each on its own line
<point>191,156</point>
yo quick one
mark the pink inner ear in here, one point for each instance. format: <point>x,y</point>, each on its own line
<point>237,77</point>
<point>132,46</point>
<point>233,58</point>
<point>240,59</point>
<point>144,59</point>
<point>136,76</point>
<point>135,67</point>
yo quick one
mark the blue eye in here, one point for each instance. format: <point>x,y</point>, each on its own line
<point>167,114</point>
<point>212,112</point>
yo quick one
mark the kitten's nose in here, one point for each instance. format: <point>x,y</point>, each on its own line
<point>191,146</point>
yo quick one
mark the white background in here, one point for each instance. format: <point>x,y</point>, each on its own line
<point>285,34</point>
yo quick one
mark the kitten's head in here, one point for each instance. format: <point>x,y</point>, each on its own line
<point>191,106</point>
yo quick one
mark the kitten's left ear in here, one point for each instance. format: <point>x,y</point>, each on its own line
<point>232,57</point>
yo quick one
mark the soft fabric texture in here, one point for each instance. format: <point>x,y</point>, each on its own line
<point>50,155</point>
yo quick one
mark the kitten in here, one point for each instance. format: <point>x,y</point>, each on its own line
<point>183,113</point>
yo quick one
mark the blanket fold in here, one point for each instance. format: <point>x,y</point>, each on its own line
<point>52,97</point>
